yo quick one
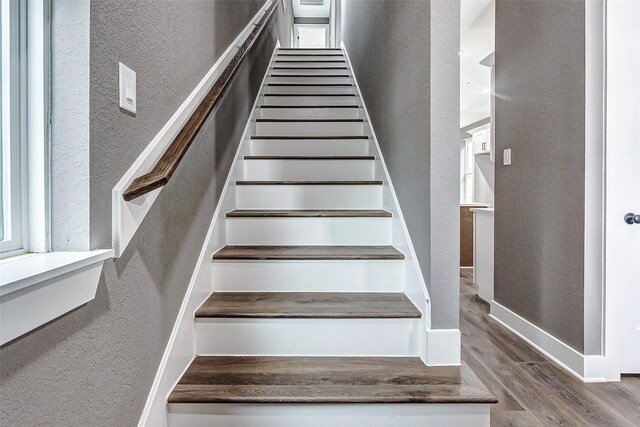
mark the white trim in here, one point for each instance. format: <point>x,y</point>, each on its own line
<point>37,121</point>
<point>127,216</point>
<point>443,347</point>
<point>39,288</point>
<point>329,414</point>
<point>181,347</point>
<point>585,368</point>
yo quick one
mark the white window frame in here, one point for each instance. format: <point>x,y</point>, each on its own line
<point>25,126</point>
<point>51,279</point>
<point>466,171</point>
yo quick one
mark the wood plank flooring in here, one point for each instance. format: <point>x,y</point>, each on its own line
<point>533,391</point>
<point>281,379</point>
<point>315,305</point>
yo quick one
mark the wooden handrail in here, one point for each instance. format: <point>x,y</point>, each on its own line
<point>170,159</point>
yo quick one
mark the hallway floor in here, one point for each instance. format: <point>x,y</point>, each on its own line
<point>532,391</point>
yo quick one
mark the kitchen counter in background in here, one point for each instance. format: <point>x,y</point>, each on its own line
<point>466,232</point>
<point>483,251</point>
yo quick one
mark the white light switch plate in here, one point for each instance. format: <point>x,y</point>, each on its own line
<point>127,78</point>
<point>506,157</point>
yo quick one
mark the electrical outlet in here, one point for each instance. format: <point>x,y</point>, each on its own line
<point>506,157</point>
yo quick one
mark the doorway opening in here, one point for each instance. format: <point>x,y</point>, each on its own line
<point>311,36</point>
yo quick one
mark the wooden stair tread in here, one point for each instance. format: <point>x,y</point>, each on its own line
<point>308,54</point>
<point>309,157</point>
<point>321,61</point>
<point>308,106</point>
<point>309,68</point>
<point>312,76</point>
<point>308,182</point>
<point>308,213</point>
<point>312,84</point>
<point>310,120</point>
<point>312,305</point>
<point>308,137</point>
<point>308,253</point>
<point>281,379</point>
<point>309,48</point>
<point>310,94</point>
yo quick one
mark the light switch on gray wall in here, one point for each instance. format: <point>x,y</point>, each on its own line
<point>506,157</point>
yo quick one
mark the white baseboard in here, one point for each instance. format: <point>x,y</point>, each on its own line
<point>587,368</point>
<point>443,347</point>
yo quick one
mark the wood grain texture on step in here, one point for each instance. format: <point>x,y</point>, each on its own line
<point>310,94</point>
<point>312,76</point>
<point>308,182</point>
<point>309,54</point>
<point>309,68</point>
<point>311,84</point>
<point>217,379</point>
<point>306,106</point>
<point>311,61</point>
<point>309,158</point>
<point>319,137</point>
<point>309,120</point>
<point>308,253</point>
<point>309,213</point>
<point>311,305</point>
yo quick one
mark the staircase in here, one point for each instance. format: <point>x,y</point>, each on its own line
<point>311,322</point>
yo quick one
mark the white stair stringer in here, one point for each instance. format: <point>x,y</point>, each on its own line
<point>286,185</point>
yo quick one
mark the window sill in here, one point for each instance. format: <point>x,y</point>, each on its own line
<point>38,288</point>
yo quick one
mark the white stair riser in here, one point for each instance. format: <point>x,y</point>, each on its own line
<point>309,113</point>
<point>309,170</point>
<point>308,276</point>
<point>329,90</point>
<point>286,57</point>
<point>309,129</point>
<point>309,231</point>
<point>302,147</point>
<point>309,79</point>
<point>310,100</point>
<point>307,337</point>
<point>313,51</point>
<point>309,71</point>
<point>309,64</point>
<point>326,414</point>
<point>308,197</point>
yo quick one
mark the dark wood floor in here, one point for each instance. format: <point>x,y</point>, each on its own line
<point>532,390</point>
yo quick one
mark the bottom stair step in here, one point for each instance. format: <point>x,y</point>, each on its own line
<point>258,379</point>
<point>316,305</point>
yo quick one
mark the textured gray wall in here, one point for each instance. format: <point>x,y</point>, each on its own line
<point>539,199</point>
<point>392,48</point>
<point>95,366</point>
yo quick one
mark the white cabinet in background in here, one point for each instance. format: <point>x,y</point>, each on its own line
<point>483,252</point>
<point>481,138</point>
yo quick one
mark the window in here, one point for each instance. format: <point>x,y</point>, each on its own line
<point>23,151</point>
<point>466,171</point>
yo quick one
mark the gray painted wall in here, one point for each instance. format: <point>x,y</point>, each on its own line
<point>539,199</point>
<point>406,62</point>
<point>95,366</point>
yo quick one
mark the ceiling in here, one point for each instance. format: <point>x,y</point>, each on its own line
<point>477,41</point>
<point>311,8</point>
